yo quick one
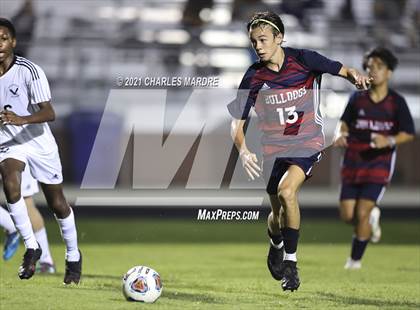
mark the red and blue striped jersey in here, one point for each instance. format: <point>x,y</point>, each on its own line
<point>286,102</point>
<point>361,162</point>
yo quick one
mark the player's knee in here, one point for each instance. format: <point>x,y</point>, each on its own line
<point>60,207</point>
<point>347,217</point>
<point>11,190</point>
<point>362,215</point>
<point>287,194</point>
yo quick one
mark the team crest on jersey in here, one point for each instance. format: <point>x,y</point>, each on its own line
<point>140,285</point>
<point>362,112</point>
<point>14,90</point>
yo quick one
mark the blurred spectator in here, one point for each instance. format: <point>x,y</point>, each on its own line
<point>413,22</point>
<point>242,10</point>
<point>299,8</point>
<point>388,19</point>
<point>389,11</point>
<point>24,22</point>
<point>346,11</point>
<point>191,15</point>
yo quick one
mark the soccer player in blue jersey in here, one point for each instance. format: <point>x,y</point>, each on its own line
<point>283,88</point>
<point>373,124</point>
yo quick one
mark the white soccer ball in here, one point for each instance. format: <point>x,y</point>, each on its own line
<point>142,283</point>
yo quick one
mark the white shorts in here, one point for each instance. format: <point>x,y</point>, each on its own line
<point>44,167</point>
<point>29,185</point>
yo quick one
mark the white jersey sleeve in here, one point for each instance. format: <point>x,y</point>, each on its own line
<point>39,89</point>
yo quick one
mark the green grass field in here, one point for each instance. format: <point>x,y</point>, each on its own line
<point>221,265</point>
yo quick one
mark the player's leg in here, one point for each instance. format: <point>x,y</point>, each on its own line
<point>362,233</point>
<point>65,218</point>
<point>11,170</point>
<point>348,197</point>
<point>272,173</point>
<point>11,242</point>
<point>287,193</point>
<point>368,196</point>
<point>376,191</point>
<point>347,211</point>
<point>348,215</point>
<point>46,263</point>
<point>29,188</point>
<point>348,202</point>
<point>276,248</point>
<point>374,218</point>
<point>46,168</point>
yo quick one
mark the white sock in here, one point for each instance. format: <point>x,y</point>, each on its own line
<point>69,233</point>
<point>6,221</point>
<point>290,256</point>
<point>41,237</point>
<point>20,217</point>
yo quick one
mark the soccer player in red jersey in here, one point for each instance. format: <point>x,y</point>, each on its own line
<point>373,124</point>
<point>283,88</point>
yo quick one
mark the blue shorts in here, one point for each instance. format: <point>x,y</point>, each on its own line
<point>274,169</point>
<point>370,191</point>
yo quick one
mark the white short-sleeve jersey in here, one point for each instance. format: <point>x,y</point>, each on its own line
<point>22,87</point>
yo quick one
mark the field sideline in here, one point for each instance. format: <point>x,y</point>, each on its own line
<point>221,265</point>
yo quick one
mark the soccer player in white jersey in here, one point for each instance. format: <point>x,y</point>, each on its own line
<point>29,187</point>
<point>26,140</point>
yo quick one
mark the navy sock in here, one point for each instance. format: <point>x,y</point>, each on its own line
<point>277,238</point>
<point>290,237</point>
<point>358,247</point>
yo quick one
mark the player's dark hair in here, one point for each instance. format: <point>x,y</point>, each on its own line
<point>8,24</point>
<point>383,54</point>
<point>258,19</point>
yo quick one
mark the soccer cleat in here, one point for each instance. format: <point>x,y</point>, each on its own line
<point>11,245</point>
<point>375,215</point>
<point>73,271</point>
<point>352,264</point>
<point>45,268</point>
<point>290,280</point>
<point>27,269</point>
<point>275,261</point>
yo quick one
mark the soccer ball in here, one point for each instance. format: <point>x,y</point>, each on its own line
<point>142,283</point>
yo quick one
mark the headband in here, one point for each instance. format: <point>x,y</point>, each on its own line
<point>267,22</point>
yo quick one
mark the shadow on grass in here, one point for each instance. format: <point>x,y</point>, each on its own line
<point>102,277</point>
<point>192,297</point>
<point>350,300</point>
<point>84,276</point>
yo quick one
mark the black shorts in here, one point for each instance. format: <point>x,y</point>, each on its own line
<point>370,191</point>
<point>274,169</point>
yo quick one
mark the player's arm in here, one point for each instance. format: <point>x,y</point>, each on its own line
<point>44,114</point>
<point>321,64</point>
<point>249,160</point>
<point>340,139</point>
<point>380,141</point>
<point>406,130</point>
<point>360,80</point>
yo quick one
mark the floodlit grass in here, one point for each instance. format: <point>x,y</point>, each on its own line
<point>222,265</point>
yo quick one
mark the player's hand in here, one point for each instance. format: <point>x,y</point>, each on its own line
<point>341,140</point>
<point>379,141</point>
<point>360,80</point>
<point>249,162</point>
<point>10,118</point>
